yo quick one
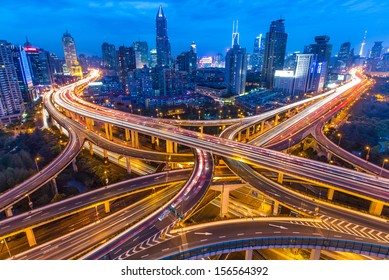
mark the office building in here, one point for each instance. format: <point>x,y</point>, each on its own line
<point>11,102</point>
<point>257,57</point>
<point>108,56</point>
<point>162,40</point>
<point>141,54</point>
<point>236,67</point>
<point>274,54</point>
<point>69,49</point>
<point>322,51</point>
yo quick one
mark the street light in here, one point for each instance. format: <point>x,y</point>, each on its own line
<point>290,140</point>
<point>6,245</point>
<point>383,165</point>
<point>29,201</point>
<point>368,153</point>
<point>106,177</point>
<point>36,163</point>
<point>340,137</point>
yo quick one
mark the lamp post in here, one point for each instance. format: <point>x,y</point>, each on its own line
<point>106,177</point>
<point>368,153</point>
<point>36,163</point>
<point>383,165</point>
<point>29,201</point>
<point>290,140</point>
<point>6,245</point>
<point>340,138</point>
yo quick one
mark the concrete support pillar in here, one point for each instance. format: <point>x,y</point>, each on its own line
<point>288,113</point>
<point>376,208</point>
<point>134,139</point>
<point>276,120</point>
<point>224,202</point>
<point>90,148</point>
<point>128,164</point>
<point>60,130</point>
<point>329,156</point>
<point>175,147</point>
<point>74,165</point>
<point>108,131</point>
<point>239,136</point>
<point>262,126</point>
<point>107,207</point>
<point>67,113</point>
<point>8,212</point>
<point>223,127</point>
<point>248,133</point>
<point>276,205</point>
<point>280,177</point>
<point>315,254</point>
<point>127,133</point>
<point>249,254</point>
<point>30,237</point>
<point>169,147</point>
<point>330,194</point>
<point>201,129</point>
<point>54,187</point>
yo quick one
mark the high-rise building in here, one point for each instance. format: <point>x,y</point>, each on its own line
<point>125,63</point>
<point>274,54</point>
<point>322,51</point>
<point>344,57</point>
<point>153,57</point>
<point>363,44</point>
<point>236,68</point>
<point>69,49</point>
<point>163,45</point>
<point>11,102</point>
<point>302,74</point>
<point>24,75</point>
<point>187,61</point>
<point>109,56</point>
<point>39,63</point>
<point>141,54</point>
<point>376,50</point>
<point>257,57</point>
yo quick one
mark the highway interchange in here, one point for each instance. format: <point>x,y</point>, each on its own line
<point>134,239</point>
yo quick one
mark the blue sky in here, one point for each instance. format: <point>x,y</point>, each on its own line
<point>207,22</point>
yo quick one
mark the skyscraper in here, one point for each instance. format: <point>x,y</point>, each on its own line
<point>322,51</point>
<point>125,63</point>
<point>39,63</point>
<point>24,74</point>
<point>363,44</point>
<point>153,58</point>
<point>141,54</point>
<point>236,67</point>
<point>274,54</point>
<point>257,57</point>
<point>302,74</point>
<point>11,102</point>
<point>344,57</point>
<point>376,50</point>
<point>109,56</point>
<point>69,49</point>
<point>163,45</point>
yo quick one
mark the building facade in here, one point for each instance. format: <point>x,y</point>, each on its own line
<point>274,54</point>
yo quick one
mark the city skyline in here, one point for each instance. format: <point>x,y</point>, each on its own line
<point>92,23</point>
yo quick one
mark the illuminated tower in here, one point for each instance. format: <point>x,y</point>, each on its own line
<point>163,45</point>
<point>274,54</point>
<point>236,66</point>
<point>363,44</point>
<point>69,49</point>
<point>11,102</point>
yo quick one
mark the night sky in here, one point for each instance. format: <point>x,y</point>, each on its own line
<point>207,22</point>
